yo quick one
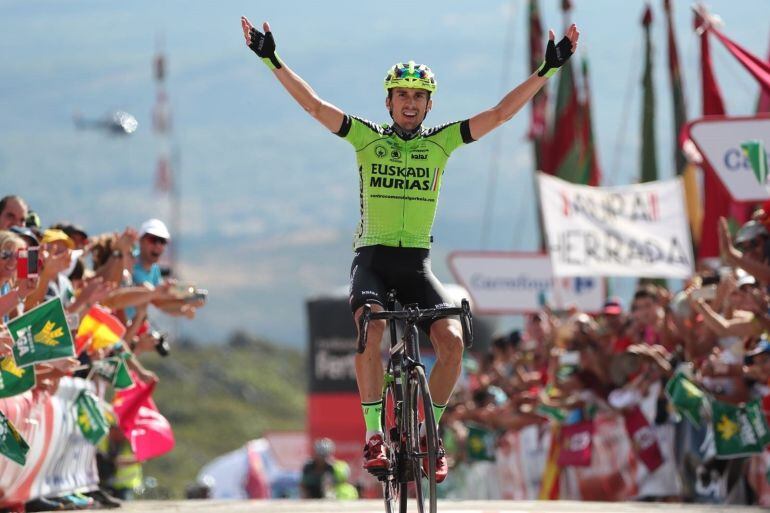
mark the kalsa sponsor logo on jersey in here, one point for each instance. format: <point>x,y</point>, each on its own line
<point>417,156</point>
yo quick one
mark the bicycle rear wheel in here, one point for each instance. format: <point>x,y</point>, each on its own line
<point>394,489</point>
<point>423,456</point>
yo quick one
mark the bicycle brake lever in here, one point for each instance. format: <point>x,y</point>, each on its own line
<point>363,326</point>
<point>466,319</point>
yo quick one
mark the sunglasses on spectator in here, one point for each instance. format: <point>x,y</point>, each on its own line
<point>748,245</point>
<point>154,239</point>
<point>7,254</point>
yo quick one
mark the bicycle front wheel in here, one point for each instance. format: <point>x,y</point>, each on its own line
<point>423,448</point>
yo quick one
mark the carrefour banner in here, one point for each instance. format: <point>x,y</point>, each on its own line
<point>515,283</point>
<point>719,140</point>
<point>635,230</point>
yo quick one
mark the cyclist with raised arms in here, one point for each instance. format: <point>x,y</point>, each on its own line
<point>400,168</point>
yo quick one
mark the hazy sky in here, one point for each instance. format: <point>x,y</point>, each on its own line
<point>264,185</point>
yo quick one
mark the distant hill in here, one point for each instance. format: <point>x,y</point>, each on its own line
<point>219,396</point>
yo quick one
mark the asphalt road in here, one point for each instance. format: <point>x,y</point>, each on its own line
<point>375,506</point>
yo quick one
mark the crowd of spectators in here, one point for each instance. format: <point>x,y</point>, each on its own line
<point>119,271</point>
<point>567,367</point>
<point>561,368</point>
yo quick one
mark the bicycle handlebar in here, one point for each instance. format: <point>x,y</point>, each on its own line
<point>413,315</point>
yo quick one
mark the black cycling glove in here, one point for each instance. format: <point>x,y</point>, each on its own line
<point>264,46</point>
<point>555,57</point>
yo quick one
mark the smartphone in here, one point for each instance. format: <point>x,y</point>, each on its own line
<point>197,295</point>
<point>707,293</point>
<point>569,358</point>
<point>28,263</point>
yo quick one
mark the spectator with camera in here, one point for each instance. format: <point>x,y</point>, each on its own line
<point>153,238</point>
<point>735,310</point>
<point>750,250</point>
<point>13,291</point>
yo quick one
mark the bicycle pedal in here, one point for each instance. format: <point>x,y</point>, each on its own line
<point>380,473</point>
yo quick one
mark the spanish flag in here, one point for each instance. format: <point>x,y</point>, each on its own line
<point>551,482</point>
<point>101,328</point>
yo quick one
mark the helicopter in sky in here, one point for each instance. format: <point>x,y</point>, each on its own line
<point>117,123</point>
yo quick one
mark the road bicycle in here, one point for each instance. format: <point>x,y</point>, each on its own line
<point>406,403</point>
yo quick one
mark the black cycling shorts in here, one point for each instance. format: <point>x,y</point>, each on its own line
<point>376,270</point>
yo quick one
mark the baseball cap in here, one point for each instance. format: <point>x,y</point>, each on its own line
<point>612,306</point>
<point>154,227</point>
<point>72,229</point>
<point>744,278</point>
<point>57,235</point>
<point>749,231</point>
<point>25,232</point>
<point>763,346</point>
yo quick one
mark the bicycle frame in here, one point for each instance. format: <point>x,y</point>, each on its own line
<point>406,386</point>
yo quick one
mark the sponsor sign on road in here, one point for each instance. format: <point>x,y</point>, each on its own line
<point>332,347</point>
<point>719,141</point>
<point>514,283</point>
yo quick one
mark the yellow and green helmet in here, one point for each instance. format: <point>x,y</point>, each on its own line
<point>411,76</point>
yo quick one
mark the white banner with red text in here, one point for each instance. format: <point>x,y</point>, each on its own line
<point>636,230</point>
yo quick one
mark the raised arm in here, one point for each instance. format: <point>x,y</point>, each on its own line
<point>263,45</point>
<point>555,56</point>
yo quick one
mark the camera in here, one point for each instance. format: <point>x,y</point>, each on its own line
<point>197,295</point>
<point>162,345</point>
<point>28,260</point>
<point>569,358</point>
<point>707,293</point>
<point>190,293</point>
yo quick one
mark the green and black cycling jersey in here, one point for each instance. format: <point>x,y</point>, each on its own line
<point>400,178</point>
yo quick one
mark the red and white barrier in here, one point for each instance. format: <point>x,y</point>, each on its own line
<point>59,460</point>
